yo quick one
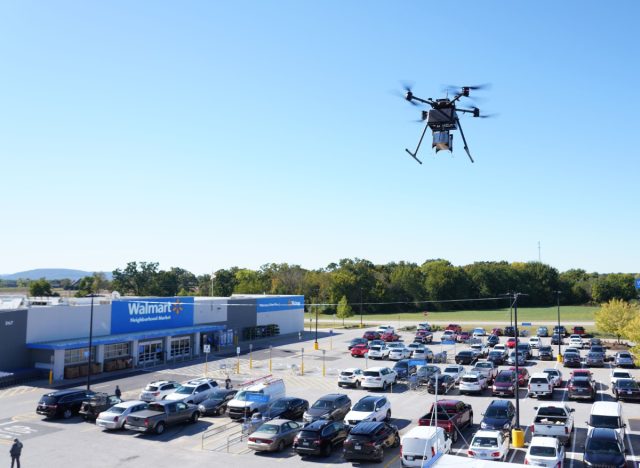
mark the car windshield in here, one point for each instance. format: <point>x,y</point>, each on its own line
<point>603,446</point>
<point>369,373</point>
<point>116,410</point>
<point>621,375</point>
<point>551,372</point>
<point>505,377</point>
<point>217,395</point>
<point>366,405</point>
<point>375,348</point>
<point>185,390</point>
<point>304,434</point>
<point>496,412</point>
<point>538,451</point>
<point>464,353</point>
<point>624,355</point>
<point>399,365</point>
<point>545,349</point>
<point>48,400</point>
<point>611,422</point>
<point>470,379</point>
<point>269,428</point>
<point>627,384</point>
<point>482,365</point>
<point>242,395</point>
<point>151,388</point>
<point>485,442</point>
<point>322,404</point>
<point>451,370</point>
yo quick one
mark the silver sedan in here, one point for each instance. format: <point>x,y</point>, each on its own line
<point>274,435</point>
<point>115,416</point>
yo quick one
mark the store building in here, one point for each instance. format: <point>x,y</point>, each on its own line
<point>135,331</point>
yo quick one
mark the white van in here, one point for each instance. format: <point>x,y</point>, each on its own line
<point>421,444</point>
<point>607,414</point>
<point>255,398</point>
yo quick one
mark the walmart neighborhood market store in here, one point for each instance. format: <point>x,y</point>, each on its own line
<point>138,331</point>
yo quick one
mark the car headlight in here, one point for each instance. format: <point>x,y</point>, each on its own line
<point>483,425</point>
<point>511,388</point>
<point>506,426</point>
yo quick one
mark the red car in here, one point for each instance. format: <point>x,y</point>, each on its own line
<point>523,376</point>
<point>359,350</point>
<point>371,335</point>
<point>464,336</point>
<point>454,327</point>
<point>581,373</point>
<point>579,331</point>
<point>497,331</point>
<point>511,343</point>
<point>389,336</point>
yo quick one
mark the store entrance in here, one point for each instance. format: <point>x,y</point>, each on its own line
<point>150,352</point>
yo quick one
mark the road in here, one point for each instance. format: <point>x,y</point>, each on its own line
<point>75,443</point>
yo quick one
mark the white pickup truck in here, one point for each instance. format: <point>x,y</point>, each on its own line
<point>553,420</point>
<point>486,368</point>
<point>540,385</point>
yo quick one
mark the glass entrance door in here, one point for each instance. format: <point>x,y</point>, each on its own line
<point>150,352</point>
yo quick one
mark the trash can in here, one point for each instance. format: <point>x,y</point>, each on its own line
<point>517,438</point>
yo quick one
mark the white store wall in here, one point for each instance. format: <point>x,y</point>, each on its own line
<point>209,310</point>
<point>289,321</point>
<point>63,322</point>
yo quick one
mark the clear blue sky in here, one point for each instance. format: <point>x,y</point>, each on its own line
<point>211,134</point>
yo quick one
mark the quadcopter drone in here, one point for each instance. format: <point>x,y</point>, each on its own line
<point>442,118</point>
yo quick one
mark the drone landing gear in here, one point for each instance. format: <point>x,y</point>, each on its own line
<point>413,155</point>
<point>464,140</point>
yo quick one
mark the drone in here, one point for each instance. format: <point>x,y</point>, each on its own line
<point>442,118</point>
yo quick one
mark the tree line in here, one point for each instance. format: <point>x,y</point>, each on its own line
<point>391,287</point>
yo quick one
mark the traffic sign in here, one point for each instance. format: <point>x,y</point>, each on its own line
<point>206,348</point>
<point>238,350</point>
<point>526,324</point>
<point>637,283</point>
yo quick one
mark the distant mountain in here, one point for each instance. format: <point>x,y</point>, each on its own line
<point>51,274</point>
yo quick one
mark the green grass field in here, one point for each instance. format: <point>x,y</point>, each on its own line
<point>570,315</point>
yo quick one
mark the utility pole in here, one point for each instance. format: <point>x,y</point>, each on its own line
<point>517,436</point>
<point>315,345</point>
<point>90,345</point>
<point>361,324</point>
<point>559,357</point>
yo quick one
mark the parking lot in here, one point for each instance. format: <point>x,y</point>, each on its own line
<point>74,442</point>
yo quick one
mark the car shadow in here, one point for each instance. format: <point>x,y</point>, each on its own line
<point>177,431</point>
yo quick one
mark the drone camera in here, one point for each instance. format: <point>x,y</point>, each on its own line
<point>465,91</point>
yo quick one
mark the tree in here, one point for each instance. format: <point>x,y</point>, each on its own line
<point>613,286</point>
<point>443,282</point>
<point>615,316</point>
<point>40,288</point>
<point>224,282</point>
<point>250,282</point>
<point>344,309</point>
<point>134,280</point>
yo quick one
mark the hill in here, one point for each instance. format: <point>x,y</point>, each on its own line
<point>51,274</point>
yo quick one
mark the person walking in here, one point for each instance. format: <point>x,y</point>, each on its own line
<point>118,392</point>
<point>16,450</point>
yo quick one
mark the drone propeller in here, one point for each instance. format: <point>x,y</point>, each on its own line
<point>477,114</point>
<point>464,90</point>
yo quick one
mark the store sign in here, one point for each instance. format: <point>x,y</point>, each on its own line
<point>153,313</point>
<point>279,304</point>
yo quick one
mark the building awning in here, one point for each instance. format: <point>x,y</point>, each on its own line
<point>111,339</point>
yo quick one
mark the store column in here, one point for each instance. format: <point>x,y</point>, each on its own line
<point>134,352</point>
<point>196,344</point>
<point>58,364</point>
<point>100,356</point>
<point>167,348</point>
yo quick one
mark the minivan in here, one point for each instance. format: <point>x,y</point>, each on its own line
<point>607,414</point>
<point>421,444</point>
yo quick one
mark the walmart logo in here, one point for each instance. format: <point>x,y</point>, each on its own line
<point>177,307</point>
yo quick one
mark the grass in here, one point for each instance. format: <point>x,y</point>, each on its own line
<point>568,314</point>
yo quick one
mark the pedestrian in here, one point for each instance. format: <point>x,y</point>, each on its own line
<point>227,383</point>
<point>16,450</point>
<point>118,392</point>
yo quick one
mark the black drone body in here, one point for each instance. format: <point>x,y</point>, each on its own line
<point>442,118</point>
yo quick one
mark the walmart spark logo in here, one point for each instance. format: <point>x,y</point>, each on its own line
<point>177,307</point>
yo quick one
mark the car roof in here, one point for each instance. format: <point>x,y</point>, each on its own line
<point>487,434</point>
<point>539,374</point>
<point>376,369</point>
<point>317,425</point>
<point>59,393</point>
<point>278,422</point>
<point>370,398</point>
<point>161,382</point>
<point>606,408</point>
<point>367,427</point>
<point>542,441</point>
<point>448,402</point>
<point>331,396</point>
<point>129,403</point>
<point>603,433</point>
<point>351,369</point>
<point>500,403</point>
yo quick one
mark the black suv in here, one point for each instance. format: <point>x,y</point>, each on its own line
<point>561,330</point>
<point>581,387</point>
<point>556,339</point>
<point>545,353</point>
<point>466,357</point>
<point>604,447</point>
<point>572,360</point>
<point>287,408</point>
<point>63,403</point>
<point>367,441</point>
<point>509,331</point>
<point>333,406</point>
<point>319,437</point>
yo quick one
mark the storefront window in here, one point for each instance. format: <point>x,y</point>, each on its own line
<point>79,355</point>
<point>117,350</point>
<point>181,346</point>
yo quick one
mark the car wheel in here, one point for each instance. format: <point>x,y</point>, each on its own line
<point>384,386</point>
<point>160,428</point>
<point>194,417</point>
<point>221,411</point>
<point>326,450</point>
<point>280,447</point>
<point>388,416</point>
<point>358,384</point>
<point>396,441</point>
<point>381,458</point>
<point>67,413</point>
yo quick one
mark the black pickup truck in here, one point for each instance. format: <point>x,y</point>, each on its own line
<point>161,414</point>
<point>96,404</point>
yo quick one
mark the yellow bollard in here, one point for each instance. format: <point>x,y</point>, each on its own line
<point>316,346</point>
<point>302,362</point>
<point>517,438</point>
<point>50,377</point>
<point>559,358</point>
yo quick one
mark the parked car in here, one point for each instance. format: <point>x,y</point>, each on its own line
<point>243,406</point>
<point>594,359</point>
<point>502,348</point>
<point>444,383</point>
<point>424,336</point>
<point>523,376</point>
<point>556,339</point>
<point>423,373</point>
<point>493,340</point>
<point>619,374</point>
<point>579,331</point>
<point>481,350</point>
<point>545,451</point>
<point>424,326</point>
<point>356,341</point>
<point>534,342</point>
<point>158,390</point>
<point>525,349</point>
<point>560,330</point>
<point>540,385</point>
<point>424,354</point>
<point>421,444</point>
<point>499,416</point>
<point>478,332</point>
<point>369,408</point>
<point>576,341</point>
<point>586,373</point>
<point>216,402</point>
<point>510,331</point>
<point>520,356</point>
<point>626,389</point>
<point>454,327</point>
<point>320,437</point>
<point>161,414</point>
<point>497,332</point>
<point>454,370</point>
<point>464,336</point>
<point>378,352</point>
<point>473,383</point>
<point>288,407</point>
<point>624,359</point>
<point>371,335</point>
<point>97,403</point>
<point>553,420</point>
<point>572,360</point>
<point>488,369</point>
<point>556,377</point>
<point>62,403</point>
<point>194,391</point>
<point>115,417</point>
<point>604,447</point>
<point>496,357</point>
<point>359,350</point>
<point>404,368</point>
<point>379,377</point>
<point>511,343</point>
<point>545,353</point>
<point>274,435</point>
<point>350,377</point>
<point>368,441</point>
<point>452,416</point>
<point>595,342</point>
<point>398,353</point>
<point>449,335</point>
<point>607,414</point>
<point>389,336</point>
<point>581,388</point>
<point>333,406</point>
<point>504,384</point>
<point>489,445</point>
<point>466,357</point>
<point>542,331</point>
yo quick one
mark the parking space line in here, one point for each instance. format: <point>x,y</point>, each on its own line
<point>394,459</point>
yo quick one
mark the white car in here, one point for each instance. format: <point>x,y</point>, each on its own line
<point>114,417</point>
<point>351,377</point>
<point>448,335</point>
<point>454,370</point>
<point>473,383</point>
<point>369,408</point>
<point>158,390</point>
<point>500,347</point>
<point>378,352</point>
<point>422,353</point>
<point>478,332</point>
<point>395,354</point>
<point>576,340</point>
<point>481,350</point>
<point>545,451</point>
<point>556,377</point>
<point>489,445</point>
<point>414,346</point>
<point>379,377</point>
<point>193,391</point>
<point>424,326</point>
<point>535,342</point>
<point>619,374</point>
<point>384,329</point>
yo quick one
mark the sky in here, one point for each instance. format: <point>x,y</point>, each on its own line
<point>206,135</point>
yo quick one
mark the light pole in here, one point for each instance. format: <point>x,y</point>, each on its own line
<point>270,352</point>
<point>559,358</point>
<point>517,433</point>
<point>316,346</point>
<point>361,324</point>
<point>90,345</point>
